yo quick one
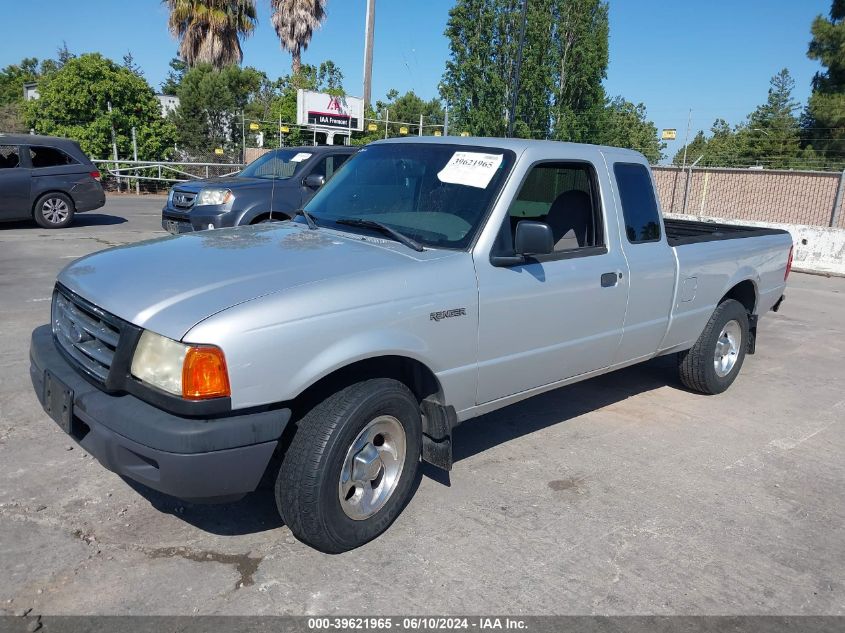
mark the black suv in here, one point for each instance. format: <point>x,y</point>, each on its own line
<point>271,187</point>
<point>47,179</point>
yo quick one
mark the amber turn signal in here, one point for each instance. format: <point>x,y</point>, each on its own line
<point>204,374</point>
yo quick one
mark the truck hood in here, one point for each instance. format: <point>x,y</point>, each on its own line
<point>168,285</point>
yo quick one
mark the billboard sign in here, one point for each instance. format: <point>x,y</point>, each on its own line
<point>322,110</point>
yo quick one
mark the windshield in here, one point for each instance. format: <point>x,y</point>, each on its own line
<point>436,194</point>
<point>281,164</point>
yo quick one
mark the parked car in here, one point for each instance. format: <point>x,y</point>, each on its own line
<point>271,187</point>
<point>430,282</point>
<point>46,179</point>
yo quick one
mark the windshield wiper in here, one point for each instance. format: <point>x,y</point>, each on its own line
<point>312,223</point>
<point>372,224</point>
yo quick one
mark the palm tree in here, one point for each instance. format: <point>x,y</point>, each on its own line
<point>295,21</point>
<point>210,31</point>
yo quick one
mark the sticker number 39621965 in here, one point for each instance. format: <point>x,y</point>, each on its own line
<point>474,169</point>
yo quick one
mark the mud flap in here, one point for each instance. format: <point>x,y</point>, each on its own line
<point>438,422</point>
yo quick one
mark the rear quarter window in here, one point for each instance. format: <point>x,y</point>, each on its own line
<point>639,206</point>
<point>43,156</point>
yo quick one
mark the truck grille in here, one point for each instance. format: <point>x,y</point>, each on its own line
<point>86,334</point>
<point>183,199</point>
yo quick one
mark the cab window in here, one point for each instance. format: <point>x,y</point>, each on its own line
<point>563,195</point>
<point>639,205</point>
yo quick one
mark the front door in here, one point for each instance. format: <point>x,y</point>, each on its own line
<point>14,184</point>
<point>562,314</point>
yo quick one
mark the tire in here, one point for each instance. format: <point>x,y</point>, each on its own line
<point>724,337</point>
<point>330,439</point>
<point>53,211</point>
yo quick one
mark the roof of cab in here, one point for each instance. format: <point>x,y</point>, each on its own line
<point>515,144</point>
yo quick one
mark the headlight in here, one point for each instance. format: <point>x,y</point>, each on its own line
<point>170,197</point>
<point>194,372</point>
<point>214,196</point>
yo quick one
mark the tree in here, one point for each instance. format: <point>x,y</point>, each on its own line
<point>769,137</point>
<point>210,104</point>
<point>74,103</point>
<point>295,22</point>
<point>14,76</point>
<point>130,65</point>
<point>625,124</point>
<point>171,83</point>
<point>772,131</point>
<point>824,119</point>
<point>564,60</point>
<point>580,42</point>
<point>210,31</point>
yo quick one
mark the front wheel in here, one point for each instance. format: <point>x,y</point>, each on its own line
<point>351,465</point>
<point>53,211</point>
<point>714,361</point>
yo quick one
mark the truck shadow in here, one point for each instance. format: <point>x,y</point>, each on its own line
<point>257,512</point>
<point>561,405</point>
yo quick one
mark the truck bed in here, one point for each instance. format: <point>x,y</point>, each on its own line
<point>680,232</point>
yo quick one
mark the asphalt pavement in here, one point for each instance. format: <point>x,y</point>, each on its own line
<point>625,494</point>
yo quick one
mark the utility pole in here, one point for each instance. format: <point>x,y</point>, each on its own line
<point>386,121</point>
<point>135,155</point>
<point>114,146</point>
<point>446,120</point>
<point>421,124</point>
<point>686,139</point>
<point>515,85</point>
<point>368,51</point>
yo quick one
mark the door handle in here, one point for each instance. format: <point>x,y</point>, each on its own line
<point>608,280</point>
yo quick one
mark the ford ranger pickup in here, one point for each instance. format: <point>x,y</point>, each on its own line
<point>333,352</point>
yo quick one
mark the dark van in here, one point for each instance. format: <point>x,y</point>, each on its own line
<point>47,179</point>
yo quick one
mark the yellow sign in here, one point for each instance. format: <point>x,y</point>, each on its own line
<point>438,133</point>
<point>403,130</point>
<point>669,135</point>
<point>254,126</point>
<point>372,127</point>
<point>219,151</point>
<point>464,133</point>
<point>284,129</point>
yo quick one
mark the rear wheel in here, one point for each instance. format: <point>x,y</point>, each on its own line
<point>351,465</point>
<point>53,211</point>
<point>714,361</point>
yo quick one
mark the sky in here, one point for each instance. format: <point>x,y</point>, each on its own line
<point>714,57</point>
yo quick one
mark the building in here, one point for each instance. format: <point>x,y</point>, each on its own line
<point>30,91</point>
<point>168,103</point>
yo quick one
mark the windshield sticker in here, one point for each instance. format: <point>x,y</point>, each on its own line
<point>300,157</point>
<point>473,169</point>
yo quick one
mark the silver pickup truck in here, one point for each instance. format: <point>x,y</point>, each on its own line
<point>429,282</point>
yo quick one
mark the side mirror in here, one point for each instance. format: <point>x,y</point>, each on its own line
<point>314,181</point>
<point>533,238</point>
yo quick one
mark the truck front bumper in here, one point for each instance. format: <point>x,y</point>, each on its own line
<point>218,459</point>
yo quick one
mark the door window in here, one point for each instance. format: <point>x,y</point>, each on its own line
<point>564,196</point>
<point>43,156</point>
<point>639,206</point>
<point>9,157</point>
<point>328,165</point>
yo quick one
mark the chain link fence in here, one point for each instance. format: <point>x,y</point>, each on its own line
<point>790,197</point>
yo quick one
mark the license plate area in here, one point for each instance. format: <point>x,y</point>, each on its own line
<point>58,402</point>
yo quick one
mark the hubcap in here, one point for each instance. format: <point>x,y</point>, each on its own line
<point>372,468</point>
<point>55,210</point>
<point>727,348</point>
